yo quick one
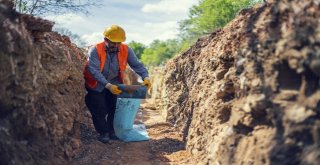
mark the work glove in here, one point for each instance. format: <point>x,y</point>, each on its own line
<point>113,89</point>
<point>146,82</point>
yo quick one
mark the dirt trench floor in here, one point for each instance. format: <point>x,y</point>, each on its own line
<point>164,147</point>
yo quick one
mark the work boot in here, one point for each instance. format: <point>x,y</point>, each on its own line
<point>104,138</point>
<point>113,136</point>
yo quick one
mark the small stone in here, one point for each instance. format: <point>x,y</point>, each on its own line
<point>315,66</point>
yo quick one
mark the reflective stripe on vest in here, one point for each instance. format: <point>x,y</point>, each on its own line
<point>122,59</point>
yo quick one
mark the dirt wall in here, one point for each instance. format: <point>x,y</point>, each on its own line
<point>41,91</point>
<point>249,93</point>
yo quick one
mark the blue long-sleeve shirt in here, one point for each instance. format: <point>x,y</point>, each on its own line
<point>110,72</point>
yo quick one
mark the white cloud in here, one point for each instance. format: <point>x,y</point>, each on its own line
<point>169,6</point>
<point>163,30</point>
<point>92,38</point>
<point>150,31</point>
<point>144,33</point>
<point>66,19</point>
<point>146,25</point>
<point>76,23</point>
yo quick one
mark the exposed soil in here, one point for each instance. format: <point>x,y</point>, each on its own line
<point>164,147</point>
<point>248,93</point>
<point>41,92</point>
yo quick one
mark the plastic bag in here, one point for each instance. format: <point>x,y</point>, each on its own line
<point>124,118</point>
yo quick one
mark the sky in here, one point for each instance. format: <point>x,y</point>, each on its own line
<point>143,20</point>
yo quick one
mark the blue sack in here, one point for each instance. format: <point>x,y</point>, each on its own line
<point>132,91</point>
<point>124,116</point>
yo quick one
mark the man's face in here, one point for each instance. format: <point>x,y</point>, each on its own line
<point>113,46</point>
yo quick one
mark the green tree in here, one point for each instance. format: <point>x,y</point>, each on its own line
<point>208,16</point>
<point>137,47</point>
<point>160,51</point>
<point>203,19</point>
<point>40,7</point>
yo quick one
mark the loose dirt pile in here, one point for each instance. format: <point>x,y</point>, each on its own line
<point>249,93</point>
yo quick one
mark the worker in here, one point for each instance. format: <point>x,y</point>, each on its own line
<point>105,68</point>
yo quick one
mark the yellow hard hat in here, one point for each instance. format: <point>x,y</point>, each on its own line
<point>115,33</point>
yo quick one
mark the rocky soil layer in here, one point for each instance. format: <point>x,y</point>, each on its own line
<point>249,93</point>
<point>41,92</point>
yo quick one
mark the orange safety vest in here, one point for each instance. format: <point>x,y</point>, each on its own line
<point>101,49</point>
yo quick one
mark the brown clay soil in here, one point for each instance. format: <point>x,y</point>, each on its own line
<point>164,147</point>
<point>248,93</point>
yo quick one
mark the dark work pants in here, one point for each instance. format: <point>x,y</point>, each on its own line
<point>101,104</point>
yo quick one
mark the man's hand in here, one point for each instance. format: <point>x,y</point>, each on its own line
<point>146,82</point>
<point>113,89</point>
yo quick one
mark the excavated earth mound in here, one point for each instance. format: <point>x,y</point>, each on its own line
<point>249,93</point>
<point>40,93</point>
